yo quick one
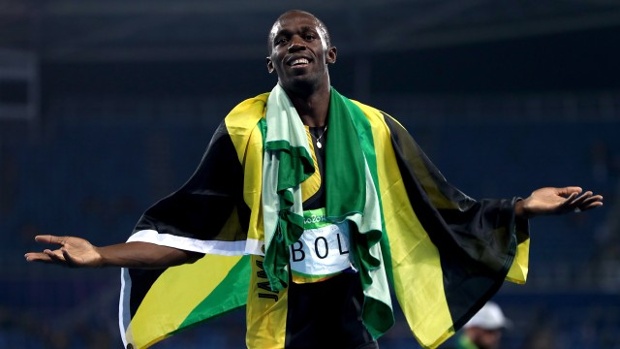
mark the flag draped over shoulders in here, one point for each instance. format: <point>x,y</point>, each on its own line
<point>441,253</point>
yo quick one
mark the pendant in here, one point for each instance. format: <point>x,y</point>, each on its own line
<point>319,145</point>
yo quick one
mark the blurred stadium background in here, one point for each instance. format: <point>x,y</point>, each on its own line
<point>106,106</point>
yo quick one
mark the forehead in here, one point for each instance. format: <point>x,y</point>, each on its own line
<point>296,21</point>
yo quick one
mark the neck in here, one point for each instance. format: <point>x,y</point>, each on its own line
<point>312,108</point>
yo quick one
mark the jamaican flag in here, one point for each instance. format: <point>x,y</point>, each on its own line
<point>442,253</point>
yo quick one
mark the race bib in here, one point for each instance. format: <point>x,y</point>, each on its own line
<point>322,250</point>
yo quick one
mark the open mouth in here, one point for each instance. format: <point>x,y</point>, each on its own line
<point>299,62</point>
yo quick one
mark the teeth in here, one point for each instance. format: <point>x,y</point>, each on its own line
<point>300,61</point>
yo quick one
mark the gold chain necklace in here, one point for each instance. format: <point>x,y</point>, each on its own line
<point>318,139</point>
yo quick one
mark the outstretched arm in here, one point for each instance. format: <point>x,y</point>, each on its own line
<point>78,252</point>
<point>555,201</point>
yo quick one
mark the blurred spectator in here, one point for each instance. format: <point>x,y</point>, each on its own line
<point>484,330</point>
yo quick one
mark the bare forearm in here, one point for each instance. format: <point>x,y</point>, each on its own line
<point>144,255</point>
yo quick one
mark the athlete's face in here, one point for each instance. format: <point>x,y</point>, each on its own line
<point>300,52</point>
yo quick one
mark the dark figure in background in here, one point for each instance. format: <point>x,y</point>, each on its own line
<point>308,208</point>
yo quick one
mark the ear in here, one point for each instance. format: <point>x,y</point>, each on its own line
<point>330,56</point>
<point>270,68</point>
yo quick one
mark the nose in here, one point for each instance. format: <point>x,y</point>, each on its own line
<point>296,44</point>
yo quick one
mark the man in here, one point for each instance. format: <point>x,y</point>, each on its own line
<point>306,208</point>
<point>484,330</point>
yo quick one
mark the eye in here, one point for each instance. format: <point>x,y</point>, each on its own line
<point>309,37</point>
<point>279,41</point>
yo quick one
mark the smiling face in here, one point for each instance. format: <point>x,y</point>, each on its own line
<point>299,52</point>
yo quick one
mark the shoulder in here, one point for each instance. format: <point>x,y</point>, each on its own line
<point>245,124</point>
<point>248,111</point>
<point>369,111</point>
<point>379,118</point>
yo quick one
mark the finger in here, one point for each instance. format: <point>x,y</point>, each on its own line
<point>68,259</point>
<point>49,239</point>
<point>591,205</point>
<point>590,202</point>
<point>570,202</point>
<point>582,198</point>
<point>598,198</point>
<point>587,200</point>
<point>569,191</point>
<point>572,197</point>
<point>55,256</point>
<point>37,257</point>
